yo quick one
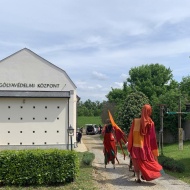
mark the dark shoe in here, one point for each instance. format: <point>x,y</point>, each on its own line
<point>138,180</point>
<point>142,177</point>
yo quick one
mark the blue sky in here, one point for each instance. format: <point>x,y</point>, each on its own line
<point>97,42</point>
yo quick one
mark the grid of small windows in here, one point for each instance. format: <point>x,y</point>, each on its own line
<point>34,131</point>
<point>34,107</point>
<point>21,118</point>
<point>33,143</point>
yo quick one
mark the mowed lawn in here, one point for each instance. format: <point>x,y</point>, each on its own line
<point>82,120</point>
<point>172,151</point>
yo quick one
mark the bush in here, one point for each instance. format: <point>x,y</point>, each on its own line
<point>36,167</point>
<point>171,164</point>
<point>88,158</point>
<point>130,109</point>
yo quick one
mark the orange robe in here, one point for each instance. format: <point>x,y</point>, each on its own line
<point>119,134</point>
<point>144,151</point>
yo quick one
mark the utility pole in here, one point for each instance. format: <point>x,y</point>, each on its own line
<point>161,135</point>
<point>180,130</point>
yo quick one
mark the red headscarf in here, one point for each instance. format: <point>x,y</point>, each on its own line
<point>146,121</point>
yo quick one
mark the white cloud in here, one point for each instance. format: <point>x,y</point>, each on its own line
<point>99,76</point>
<point>97,44</point>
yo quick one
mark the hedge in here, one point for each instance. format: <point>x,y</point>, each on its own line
<point>36,167</point>
<point>171,164</point>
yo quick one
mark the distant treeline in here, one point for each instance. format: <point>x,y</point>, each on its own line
<point>89,108</point>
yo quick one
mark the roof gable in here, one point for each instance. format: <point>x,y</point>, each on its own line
<point>26,66</point>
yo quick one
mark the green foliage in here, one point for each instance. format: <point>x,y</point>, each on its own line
<point>150,79</point>
<point>185,86</point>
<point>171,164</point>
<point>88,158</point>
<point>36,167</point>
<point>89,108</point>
<point>116,95</point>
<point>130,109</point>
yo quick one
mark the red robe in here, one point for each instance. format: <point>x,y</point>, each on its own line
<point>144,151</point>
<point>110,149</point>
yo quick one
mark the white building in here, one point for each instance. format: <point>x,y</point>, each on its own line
<point>37,103</point>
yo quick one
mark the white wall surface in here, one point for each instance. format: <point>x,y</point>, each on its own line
<point>30,72</point>
<point>33,121</point>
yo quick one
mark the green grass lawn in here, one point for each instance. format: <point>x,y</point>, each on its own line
<point>82,120</point>
<point>172,151</point>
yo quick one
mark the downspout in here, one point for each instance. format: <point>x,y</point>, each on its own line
<point>68,126</point>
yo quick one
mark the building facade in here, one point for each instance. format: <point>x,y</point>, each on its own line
<point>37,103</point>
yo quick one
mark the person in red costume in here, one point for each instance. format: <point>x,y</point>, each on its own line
<point>110,148</point>
<point>142,146</point>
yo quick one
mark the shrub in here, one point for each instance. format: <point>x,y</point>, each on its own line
<point>36,167</point>
<point>130,109</point>
<point>171,164</point>
<point>88,158</point>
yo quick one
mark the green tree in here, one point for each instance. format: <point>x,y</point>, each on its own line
<point>117,95</point>
<point>80,108</point>
<point>89,108</point>
<point>185,86</point>
<point>151,79</point>
<point>130,109</point>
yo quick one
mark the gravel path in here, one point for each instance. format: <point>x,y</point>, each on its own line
<point>121,178</point>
